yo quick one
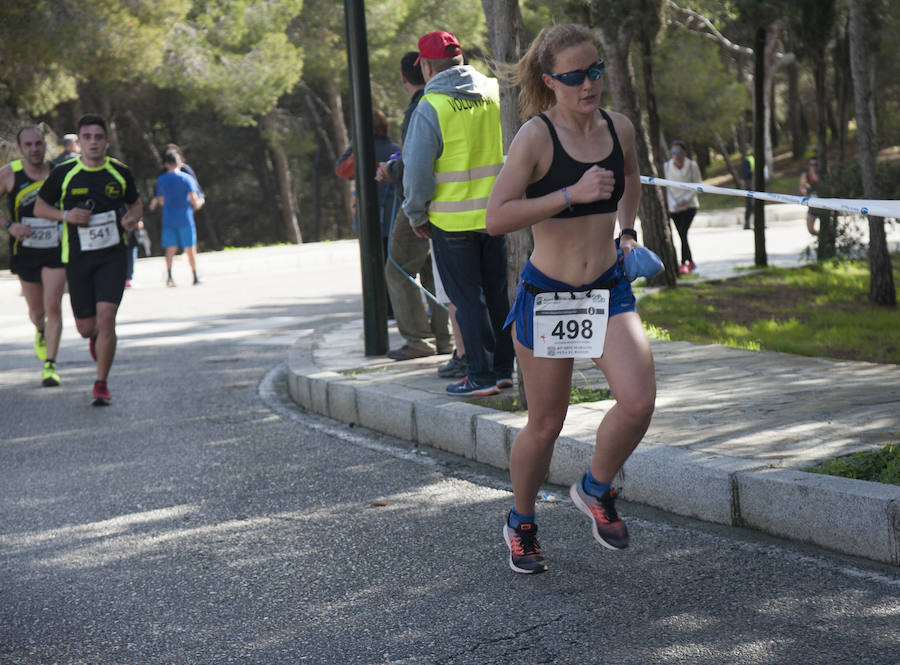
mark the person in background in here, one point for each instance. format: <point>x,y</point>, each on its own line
<point>70,150</point>
<point>35,253</point>
<point>179,196</point>
<point>809,183</point>
<point>409,254</point>
<point>452,155</point>
<point>571,172</point>
<point>683,203</point>
<point>137,238</point>
<point>746,176</point>
<point>345,168</point>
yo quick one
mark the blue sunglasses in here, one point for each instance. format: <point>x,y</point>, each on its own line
<point>593,72</point>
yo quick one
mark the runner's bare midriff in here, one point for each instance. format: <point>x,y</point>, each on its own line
<point>567,249</point>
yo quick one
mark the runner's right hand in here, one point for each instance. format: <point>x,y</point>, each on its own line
<point>79,216</point>
<point>595,185</point>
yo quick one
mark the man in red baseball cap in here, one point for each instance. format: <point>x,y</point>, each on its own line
<point>438,45</point>
<point>452,154</point>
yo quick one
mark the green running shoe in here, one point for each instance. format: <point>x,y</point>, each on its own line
<point>40,344</point>
<point>49,375</point>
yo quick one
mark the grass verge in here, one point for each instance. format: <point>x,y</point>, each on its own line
<point>819,310</point>
<point>880,466</point>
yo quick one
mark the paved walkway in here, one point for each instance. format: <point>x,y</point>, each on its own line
<point>732,432</point>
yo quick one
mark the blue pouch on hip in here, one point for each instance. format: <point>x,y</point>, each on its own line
<point>641,262</point>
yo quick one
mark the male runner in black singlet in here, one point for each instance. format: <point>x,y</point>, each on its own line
<point>88,195</point>
<point>34,248</point>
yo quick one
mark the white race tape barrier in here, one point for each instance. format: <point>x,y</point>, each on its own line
<point>858,206</point>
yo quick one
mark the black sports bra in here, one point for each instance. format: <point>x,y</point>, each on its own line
<point>565,172</point>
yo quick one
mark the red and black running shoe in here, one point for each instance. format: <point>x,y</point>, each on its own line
<point>524,551</point>
<point>609,529</point>
<point>101,394</point>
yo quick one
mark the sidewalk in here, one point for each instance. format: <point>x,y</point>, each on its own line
<point>732,432</point>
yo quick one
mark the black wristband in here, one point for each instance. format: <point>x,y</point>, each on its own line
<point>8,223</point>
<point>629,232</point>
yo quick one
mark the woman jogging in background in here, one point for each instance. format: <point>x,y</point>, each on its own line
<point>570,172</point>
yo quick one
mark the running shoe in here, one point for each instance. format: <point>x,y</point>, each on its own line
<point>92,347</point>
<point>40,345</point>
<point>467,388</point>
<point>101,394</point>
<point>505,382</point>
<point>170,282</point>
<point>609,529</point>
<point>197,280</point>
<point>524,550</point>
<point>49,375</point>
<point>455,368</point>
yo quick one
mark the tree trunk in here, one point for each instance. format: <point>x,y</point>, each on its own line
<point>760,136</point>
<point>112,131</point>
<point>826,247</point>
<point>842,92</point>
<point>653,122</point>
<point>723,150</point>
<point>772,33</point>
<point>291,227</point>
<point>863,66</point>
<point>654,223</point>
<point>342,139</point>
<point>795,114</point>
<point>504,23</point>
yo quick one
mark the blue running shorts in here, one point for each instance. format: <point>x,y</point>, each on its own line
<point>621,298</point>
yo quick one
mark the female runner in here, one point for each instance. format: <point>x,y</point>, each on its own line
<point>571,170</point>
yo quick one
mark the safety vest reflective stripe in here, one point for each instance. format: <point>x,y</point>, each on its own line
<point>470,205</point>
<point>468,174</point>
<point>471,159</point>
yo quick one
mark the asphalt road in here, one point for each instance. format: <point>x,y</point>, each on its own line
<point>203,518</point>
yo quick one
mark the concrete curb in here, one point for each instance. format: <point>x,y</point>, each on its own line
<point>848,516</point>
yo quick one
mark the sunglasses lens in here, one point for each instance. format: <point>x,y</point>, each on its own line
<point>593,72</point>
<point>572,78</point>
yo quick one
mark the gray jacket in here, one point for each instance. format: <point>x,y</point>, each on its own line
<point>424,143</point>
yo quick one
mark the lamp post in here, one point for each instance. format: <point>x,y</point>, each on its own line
<point>371,254</point>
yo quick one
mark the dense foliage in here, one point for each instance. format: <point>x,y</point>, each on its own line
<point>255,90</point>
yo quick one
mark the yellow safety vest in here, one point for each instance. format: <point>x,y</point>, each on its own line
<point>472,157</point>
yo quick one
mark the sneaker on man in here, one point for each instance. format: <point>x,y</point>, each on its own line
<point>101,394</point>
<point>92,347</point>
<point>455,368</point>
<point>505,382</point>
<point>609,529</point>
<point>49,375</point>
<point>40,345</point>
<point>467,388</point>
<point>170,282</point>
<point>197,281</point>
<point>525,554</point>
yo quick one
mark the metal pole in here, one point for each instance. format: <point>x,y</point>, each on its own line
<point>371,253</point>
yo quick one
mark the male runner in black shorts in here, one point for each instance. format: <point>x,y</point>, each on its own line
<point>34,248</point>
<point>88,195</point>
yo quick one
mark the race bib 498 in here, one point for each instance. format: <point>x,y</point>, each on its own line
<point>570,325</point>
